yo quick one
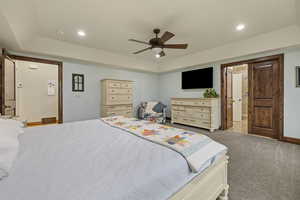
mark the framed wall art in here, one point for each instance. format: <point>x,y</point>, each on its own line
<point>77,82</point>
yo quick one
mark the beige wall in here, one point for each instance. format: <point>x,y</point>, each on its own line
<point>33,101</point>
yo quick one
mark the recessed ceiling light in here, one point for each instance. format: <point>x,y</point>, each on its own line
<point>81,33</point>
<point>240,27</point>
<point>157,55</point>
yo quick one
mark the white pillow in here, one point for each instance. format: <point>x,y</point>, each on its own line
<point>150,106</point>
<point>9,144</point>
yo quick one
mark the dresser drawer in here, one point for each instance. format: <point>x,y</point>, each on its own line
<point>181,108</point>
<point>126,91</point>
<point>119,91</point>
<point>197,109</point>
<point>117,108</point>
<point>201,103</point>
<point>126,98</point>
<point>126,85</point>
<point>198,113</point>
<point>114,84</point>
<point>118,99</point>
<point>178,102</point>
<point>192,114</point>
<point>112,98</point>
<point>203,110</point>
<point>196,122</point>
<point>178,113</point>
<point>203,116</point>
<point>204,124</point>
<point>126,113</point>
<point>192,103</point>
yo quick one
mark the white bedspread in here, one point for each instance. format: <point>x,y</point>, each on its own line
<point>90,160</point>
<point>9,144</point>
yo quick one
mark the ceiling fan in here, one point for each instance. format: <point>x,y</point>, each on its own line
<point>158,44</point>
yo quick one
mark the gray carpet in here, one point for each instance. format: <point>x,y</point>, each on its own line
<point>259,168</point>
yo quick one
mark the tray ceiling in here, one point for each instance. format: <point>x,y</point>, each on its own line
<point>109,24</point>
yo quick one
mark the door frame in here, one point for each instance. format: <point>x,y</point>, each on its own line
<point>2,79</point>
<point>60,78</point>
<point>279,115</point>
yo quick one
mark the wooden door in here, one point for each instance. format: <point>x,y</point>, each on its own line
<point>237,81</point>
<point>8,95</point>
<point>229,98</point>
<point>264,98</point>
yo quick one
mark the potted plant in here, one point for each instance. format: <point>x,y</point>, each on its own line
<point>210,93</point>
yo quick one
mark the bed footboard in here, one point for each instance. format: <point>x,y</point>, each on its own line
<point>210,185</point>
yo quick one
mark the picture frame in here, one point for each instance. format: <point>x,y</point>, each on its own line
<point>298,76</point>
<point>77,82</point>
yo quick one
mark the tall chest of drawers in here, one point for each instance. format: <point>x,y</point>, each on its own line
<point>116,98</point>
<point>198,112</point>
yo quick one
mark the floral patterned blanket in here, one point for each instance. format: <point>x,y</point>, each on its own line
<point>196,148</point>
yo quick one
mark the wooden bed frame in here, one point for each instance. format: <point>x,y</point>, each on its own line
<point>209,185</point>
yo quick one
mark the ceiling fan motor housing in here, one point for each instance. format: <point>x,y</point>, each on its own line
<point>156,42</point>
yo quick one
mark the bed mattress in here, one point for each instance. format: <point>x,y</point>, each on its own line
<point>89,160</point>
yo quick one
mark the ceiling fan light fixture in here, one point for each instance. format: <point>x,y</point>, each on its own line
<point>157,50</point>
<point>157,55</point>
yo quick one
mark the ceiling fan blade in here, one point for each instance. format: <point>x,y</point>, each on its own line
<point>166,36</point>
<point>142,50</point>
<point>133,40</point>
<point>175,46</point>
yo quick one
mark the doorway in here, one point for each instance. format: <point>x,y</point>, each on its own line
<point>36,85</point>
<point>264,115</point>
<point>237,98</point>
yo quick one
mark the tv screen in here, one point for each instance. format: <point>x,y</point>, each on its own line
<point>195,79</point>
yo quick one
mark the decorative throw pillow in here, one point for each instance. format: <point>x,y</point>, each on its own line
<point>159,108</point>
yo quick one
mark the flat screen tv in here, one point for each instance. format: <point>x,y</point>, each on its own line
<point>197,79</point>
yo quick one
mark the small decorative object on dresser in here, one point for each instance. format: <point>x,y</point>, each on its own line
<point>198,112</point>
<point>116,98</point>
<point>210,93</point>
<point>298,76</point>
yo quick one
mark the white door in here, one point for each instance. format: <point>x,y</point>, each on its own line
<point>237,80</point>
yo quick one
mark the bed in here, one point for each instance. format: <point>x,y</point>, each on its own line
<point>91,160</point>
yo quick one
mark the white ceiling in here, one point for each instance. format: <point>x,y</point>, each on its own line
<point>204,24</point>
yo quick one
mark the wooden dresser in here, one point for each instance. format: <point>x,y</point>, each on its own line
<point>116,98</point>
<point>198,112</point>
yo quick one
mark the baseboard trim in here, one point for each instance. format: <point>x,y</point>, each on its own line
<point>291,140</point>
<point>40,123</point>
<point>34,123</point>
